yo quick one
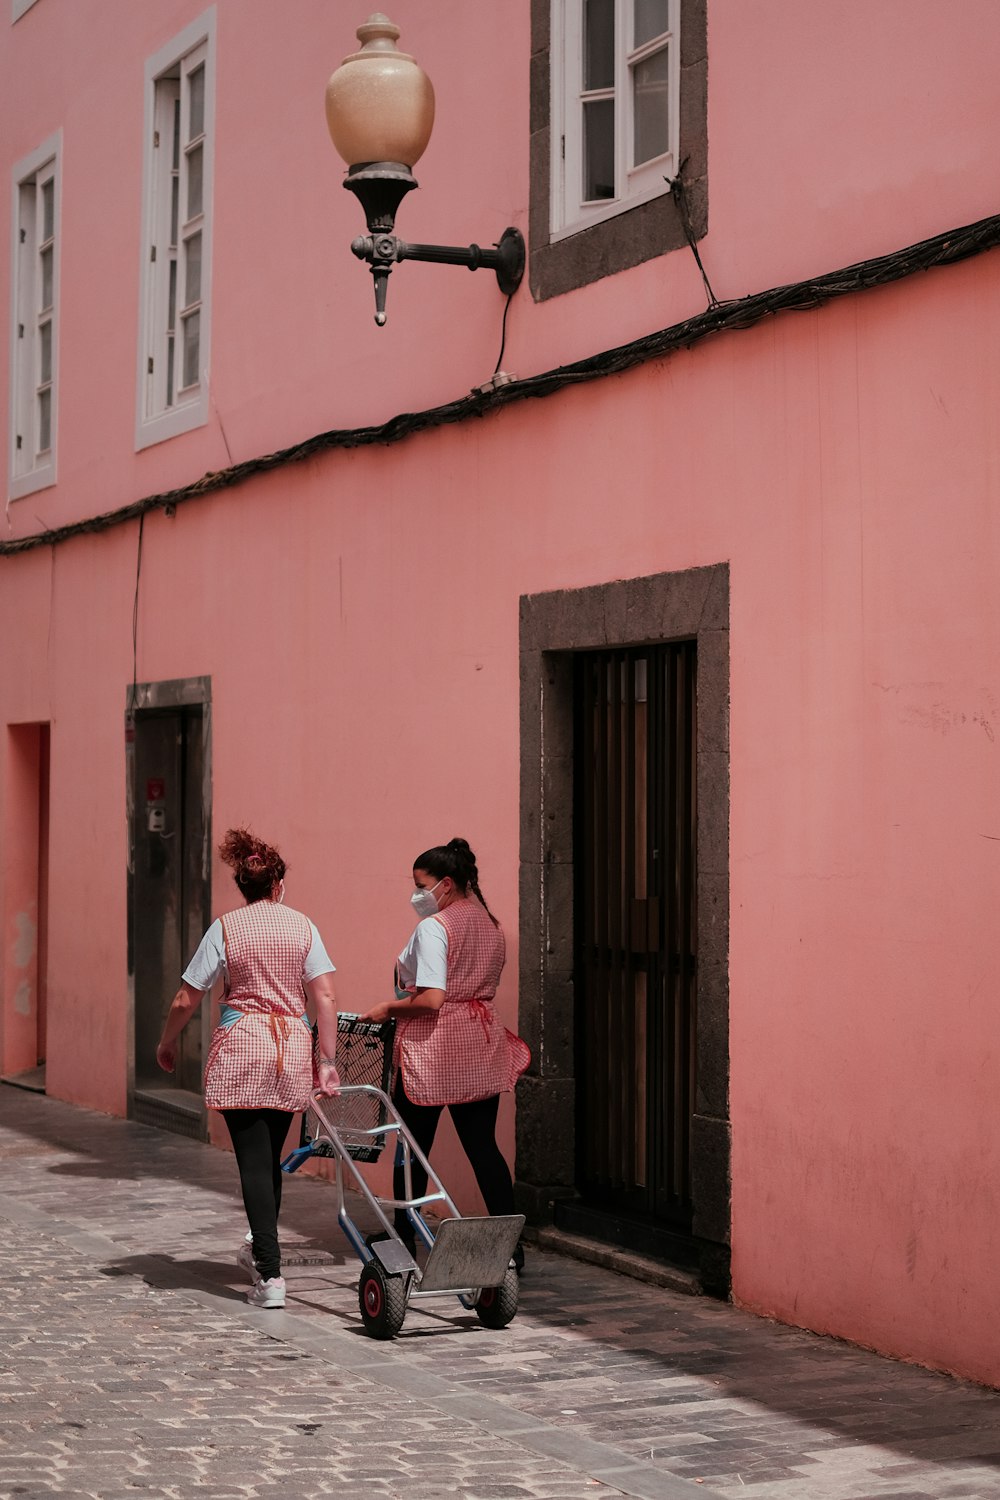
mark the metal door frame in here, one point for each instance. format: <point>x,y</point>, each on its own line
<point>150,697</point>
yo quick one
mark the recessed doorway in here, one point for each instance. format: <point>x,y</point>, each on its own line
<point>168,763</point>
<point>623,1131</point>
<point>26,905</point>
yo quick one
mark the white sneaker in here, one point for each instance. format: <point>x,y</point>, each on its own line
<point>245,1260</point>
<point>269,1293</point>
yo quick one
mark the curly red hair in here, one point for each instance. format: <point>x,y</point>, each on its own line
<point>257,867</point>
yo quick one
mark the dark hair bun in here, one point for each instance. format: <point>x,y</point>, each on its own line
<point>465,860</point>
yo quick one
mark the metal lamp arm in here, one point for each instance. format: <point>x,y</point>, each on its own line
<point>382,251</point>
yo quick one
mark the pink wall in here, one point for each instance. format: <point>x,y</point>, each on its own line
<point>833,136</point>
<point>846,485</point>
<point>358,614</point>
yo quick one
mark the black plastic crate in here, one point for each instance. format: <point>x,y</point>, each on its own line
<point>364,1055</point>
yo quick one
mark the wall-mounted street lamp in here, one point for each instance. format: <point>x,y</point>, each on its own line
<point>380,109</point>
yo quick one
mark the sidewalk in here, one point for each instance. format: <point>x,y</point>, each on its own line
<point>131,1365</point>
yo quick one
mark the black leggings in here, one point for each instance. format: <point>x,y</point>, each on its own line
<point>476,1127</point>
<point>258,1136</point>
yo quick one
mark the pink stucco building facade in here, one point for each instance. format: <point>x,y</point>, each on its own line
<point>692,627</point>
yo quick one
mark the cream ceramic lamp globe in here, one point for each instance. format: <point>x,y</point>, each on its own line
<point>379,111</point>
<point>379,102</point>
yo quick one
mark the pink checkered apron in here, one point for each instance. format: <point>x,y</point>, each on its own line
<point>463,1052</point>
<point>262,1059</point>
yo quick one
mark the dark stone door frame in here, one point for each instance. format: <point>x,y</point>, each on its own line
<point>175,1112</point>
<point>693,604</point>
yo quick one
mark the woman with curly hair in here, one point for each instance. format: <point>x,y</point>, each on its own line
<point>452,1049</point>
<point>259,1070</point>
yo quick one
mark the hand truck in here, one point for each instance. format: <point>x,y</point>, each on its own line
<point>469,1257</point>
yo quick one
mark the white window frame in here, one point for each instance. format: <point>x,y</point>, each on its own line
<point>30,467</point>
<point>634,185</point>
<point>165,405</point>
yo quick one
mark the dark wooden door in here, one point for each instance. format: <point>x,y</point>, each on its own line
<point>636,929</point>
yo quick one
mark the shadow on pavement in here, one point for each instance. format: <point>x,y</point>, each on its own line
<point>165,1273</point>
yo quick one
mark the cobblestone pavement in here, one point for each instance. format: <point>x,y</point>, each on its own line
<point>131,1365</point>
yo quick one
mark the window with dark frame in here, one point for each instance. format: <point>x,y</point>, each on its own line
<point>618,108</point>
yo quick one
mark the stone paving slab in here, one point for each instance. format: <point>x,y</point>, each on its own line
<point>130,1363</point>
<point>153,1392</point>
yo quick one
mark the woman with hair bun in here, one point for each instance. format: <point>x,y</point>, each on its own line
<point>452,1050</point>
<point>260,1065</point>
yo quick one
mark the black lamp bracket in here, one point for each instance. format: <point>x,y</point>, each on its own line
<point>383,251</point>
<point>380,187</point>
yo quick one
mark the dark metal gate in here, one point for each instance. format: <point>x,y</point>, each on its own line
<point>636,929</point>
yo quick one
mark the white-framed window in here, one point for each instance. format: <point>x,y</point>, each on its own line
<point>175,311</point>
<point>34,322</point>
<point>615,92</point>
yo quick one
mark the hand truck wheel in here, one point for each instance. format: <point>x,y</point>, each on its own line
<point>498,1304</point>
<point>382,1300</point>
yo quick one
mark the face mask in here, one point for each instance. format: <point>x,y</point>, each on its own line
<point>281,892</point>
<point>424,903</point>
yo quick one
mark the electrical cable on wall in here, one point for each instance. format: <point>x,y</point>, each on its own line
<point>503,333</point>
<point>678,192</point>
<point>802,296</point>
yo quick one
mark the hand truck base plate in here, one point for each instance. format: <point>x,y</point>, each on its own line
<point>471,1252</point>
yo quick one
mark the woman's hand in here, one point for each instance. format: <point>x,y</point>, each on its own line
<point>419,1002</point>
<point>329,1080</point>
<point>320,993</point>
<point>182,1008</point>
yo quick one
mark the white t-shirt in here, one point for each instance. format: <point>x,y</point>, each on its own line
<point>209,963</point>
<point>423,963</point>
